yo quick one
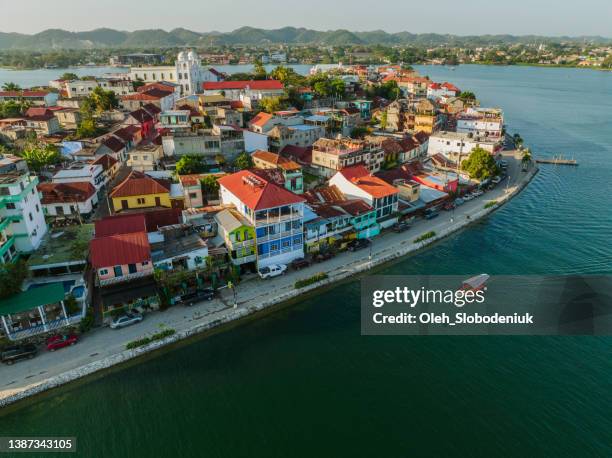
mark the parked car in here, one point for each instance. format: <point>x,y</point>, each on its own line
<point>468,197</point>
<point>477,193</point>
<point>12,354</point>
<point>323,256</point>
<point>358,244</point>
<point>449,206</point>
<point>273,270</point>
<point>300,263</point>
<point>401,226</point>
<point>126,320</point>
<point>503,163</point>
<point>431,213</point>
<point>61,341</point>
<point>459,201</point>
<point>205,294</point>
<point>495,180</point>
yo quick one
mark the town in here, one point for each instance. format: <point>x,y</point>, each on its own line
<point>175,185</point>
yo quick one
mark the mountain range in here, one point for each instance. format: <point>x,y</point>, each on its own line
<point>157,38</point>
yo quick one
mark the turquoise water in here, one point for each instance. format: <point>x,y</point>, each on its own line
<point>304,383</point>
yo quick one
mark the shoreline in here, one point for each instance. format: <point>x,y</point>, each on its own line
<point>253,308</point>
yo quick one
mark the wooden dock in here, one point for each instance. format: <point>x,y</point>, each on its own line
<point>556,161</point>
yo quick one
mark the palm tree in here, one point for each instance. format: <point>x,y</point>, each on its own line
<point>526,159</point>
<point>11,87</point>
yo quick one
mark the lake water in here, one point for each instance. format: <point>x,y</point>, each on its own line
<point>303,382</point>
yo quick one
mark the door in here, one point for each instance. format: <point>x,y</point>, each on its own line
<point>158,202</point>
<point>118,271</point>
<point>132,268</point>
<point>124,204</point>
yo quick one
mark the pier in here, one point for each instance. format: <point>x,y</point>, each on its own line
<point>560,160</point>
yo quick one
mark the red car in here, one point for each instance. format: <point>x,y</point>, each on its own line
<point>61,341</point>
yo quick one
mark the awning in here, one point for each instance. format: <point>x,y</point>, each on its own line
<point>34,297</point>
<point>128,292</point>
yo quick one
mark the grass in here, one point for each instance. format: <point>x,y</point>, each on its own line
<point>310,280</point>
<point>425,236</point>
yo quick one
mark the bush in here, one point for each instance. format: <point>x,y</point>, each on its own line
<point>425,236</point>
<point>87,322</point>
<point>147,340</point>
<point>490,204</point>
<point>310,280</point>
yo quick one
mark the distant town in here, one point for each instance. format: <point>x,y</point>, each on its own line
<point>176,184</point>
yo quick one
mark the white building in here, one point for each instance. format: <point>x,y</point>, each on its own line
<point>483,122</point>
<point>22,220</point>
<point>68,199</point>
<point>187,72</point>
<point>77,172</point>
<point>455,145</point>
<point>145,158</point>
<point>83,88</point>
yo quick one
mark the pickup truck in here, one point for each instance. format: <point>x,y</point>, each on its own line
<point>12,354</point>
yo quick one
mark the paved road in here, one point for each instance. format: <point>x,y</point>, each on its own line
<point>104,342</point>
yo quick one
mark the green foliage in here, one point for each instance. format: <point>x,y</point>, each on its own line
<point>480,164</point>
<point>271,104</point>
<point>259,71</point>
<point>11,87</point>
<point>243,161</point>
<point>147,340</point>
<point>71,305</point>
<point>360,132</point>
<point>310,280</point>
<point>383,120</point>
<point>210,185</point>
<point>39,156</point>
<point>87,322</point>
<point>467,96</point>
<point>12,276</point>
<point>288,76</point>
<point>190,163</point>
<point>102,100</point>
<point>69,76</point>
<point>490,204</point>
<point>425,236</point>
<point>388,90</point>
<point>325,85</point>
<point>13,109</point>
<point>87,129</point>
<point>526,158</point>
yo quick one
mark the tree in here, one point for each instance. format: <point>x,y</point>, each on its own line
<point>11,87</point>
<point>103,100</point>
<point>39,156</point>
<point>360,132</point>
<point>12,276</point>
<point>288,76</point>
<point>467,96</point>
<point>271,104</point>
<point>243,161</point>
<point>13,109</point>
<point>210,186</point>
<point>69,76</point>
<point>383,120</point>
<point>480,164</point>
<point>190,163</point>
<point>337,87</point>
<point>87,129</point>
<point>518,140</point>
<point>526,158</point>
<point>259,71</point>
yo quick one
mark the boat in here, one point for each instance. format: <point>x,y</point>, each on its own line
<point>475,283</point>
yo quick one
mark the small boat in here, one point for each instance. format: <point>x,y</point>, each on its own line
<point>475,283</point>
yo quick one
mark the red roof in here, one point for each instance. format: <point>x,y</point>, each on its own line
<point>141,116</point>
<point>138,184</point>
<point>162,86</point>
<point>120,224</point>
<point>152,109</point>
<point>300,154</point>
<point>374,186</point>
<point>106,161</point>
<point>53,193</point>
<point>114,144</point>
<point>39,114</point>
<point>261,119</point>
<point>120,249</point>
<point>236,104</point>
<point>256,192</point>
<point>276,160</point>
<point>451,87</point>
<point>151,94</point>
<point>23,93</point>
<point>251,84</point>
<point>127,133</point>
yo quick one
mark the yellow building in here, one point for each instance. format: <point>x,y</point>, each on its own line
<point>140,191</point>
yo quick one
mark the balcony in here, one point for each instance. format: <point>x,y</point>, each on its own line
<point>47,327</point>
<point>125,278</point>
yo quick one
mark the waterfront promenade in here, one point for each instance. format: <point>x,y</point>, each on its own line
<point>103,348</point>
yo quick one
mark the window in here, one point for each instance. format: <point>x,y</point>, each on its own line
<point>37,208</point>
<point>193,195</point>
<point>103,271</point>
<point>140,200</point>
<point>10,206</point>
<point>286,243</point>
<point>30,216</point>
<point>145,263</point>
<point>274,246</point>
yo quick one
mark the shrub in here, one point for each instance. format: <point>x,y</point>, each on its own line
<point>147,340</point>
<point>310,280</point>
<point>87,322</point>
<point>490,204</point>
<point>425,236</point>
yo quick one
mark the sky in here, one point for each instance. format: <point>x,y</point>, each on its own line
<point>461,17</point>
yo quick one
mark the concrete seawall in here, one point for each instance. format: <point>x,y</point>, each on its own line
<point>233,315</point>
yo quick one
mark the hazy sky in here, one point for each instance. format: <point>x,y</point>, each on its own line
<point>463,17</point>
